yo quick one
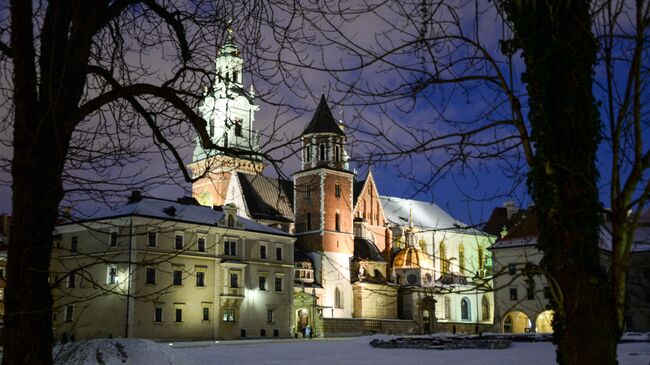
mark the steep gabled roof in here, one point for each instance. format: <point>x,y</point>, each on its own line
<point>267,198</point>
<point>323,121</point>
<point>356,190</point>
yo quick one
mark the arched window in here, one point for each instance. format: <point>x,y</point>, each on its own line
<point>464,309</point>
<point>485,308</point>
<point>231,221</point>
<point>337,153</point>
<point>234,76</point>
<point>322,151</point>
<point>461,258</point>
<point>338,298</point>
<point>308,221</point>
<point>444,264</point>
<point>337,222</point>
<point>337,190</point>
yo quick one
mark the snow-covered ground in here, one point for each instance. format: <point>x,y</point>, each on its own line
<point>353,351</point>
<point>357,351</point>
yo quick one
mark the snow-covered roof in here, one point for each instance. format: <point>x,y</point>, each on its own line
<point>424,214</point>
<point>182,212</point>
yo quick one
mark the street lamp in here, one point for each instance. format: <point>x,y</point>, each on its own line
<point>313,320</point>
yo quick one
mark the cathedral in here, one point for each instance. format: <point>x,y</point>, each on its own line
<point>358,254</point>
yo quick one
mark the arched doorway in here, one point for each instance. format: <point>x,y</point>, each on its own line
<point>543,322</point>
<point>516,322</point>
<point>302,319</point>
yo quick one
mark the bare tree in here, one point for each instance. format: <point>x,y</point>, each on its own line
<point>509,85</point>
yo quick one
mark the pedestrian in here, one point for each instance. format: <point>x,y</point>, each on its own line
<point>308,331</point>
<point>453,329</point>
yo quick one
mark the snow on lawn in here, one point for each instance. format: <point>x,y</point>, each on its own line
<point>357,351</point>
<point>119,352</point>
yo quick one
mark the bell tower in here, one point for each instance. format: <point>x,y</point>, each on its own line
<point>323,207</point>
<point>229,110</point>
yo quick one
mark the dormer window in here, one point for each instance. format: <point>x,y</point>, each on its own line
<point>238,127</point>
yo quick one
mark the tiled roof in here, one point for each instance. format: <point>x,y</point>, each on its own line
<point>323,121</point>
<point>174,211</point>
<point>267,198</point>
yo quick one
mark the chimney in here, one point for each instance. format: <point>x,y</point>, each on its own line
<point>511,208</point>
<point>136,196</point>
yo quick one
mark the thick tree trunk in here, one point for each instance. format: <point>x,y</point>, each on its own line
<point>559,51</point>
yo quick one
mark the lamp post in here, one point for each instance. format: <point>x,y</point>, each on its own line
<point>313,312</point>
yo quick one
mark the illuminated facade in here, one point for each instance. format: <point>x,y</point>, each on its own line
<point>165,269</point>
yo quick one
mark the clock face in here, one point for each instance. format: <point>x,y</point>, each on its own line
<point>412,279</point>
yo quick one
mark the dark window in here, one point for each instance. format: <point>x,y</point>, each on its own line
<point>262,251</point>
<point>512,269</point>
<point>530,291</point>
<point>178,242</point>
<point>263,332</point>
<point>151,276</point>
<point>337,190</point>
<point>234,280</point>
<point>322,152</point>
<point>178,277</point>
<point>262,282</point>
<point>278,284</point>
<point>547,292</point>
<point>337,222</point>
<point>337,154</point>
<point>113,239</point>
<point>513,293</point>
<point>308,221</point>
<point>151,239</point>
<point>242,332</point>
<point>69,313</point>
<point>72,279</point>
<point>206,313</point>
<point>231,221</point>
<point>230,248</point>
<point>234,76</point>
<point>270,315</point>
<point>74,243</point>
<point>278,253</point>
<point>307,191</point>
<point>179,315</point>
<point>200,278</point>
<point>201,245</point>
<point>276,333</point>
<point>464,309</point>
<point>238,127</point>
<point>157,314</point>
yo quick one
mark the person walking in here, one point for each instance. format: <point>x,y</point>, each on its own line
<point>308,331</point>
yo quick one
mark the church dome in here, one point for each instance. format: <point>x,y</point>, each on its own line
<point>411,257</point>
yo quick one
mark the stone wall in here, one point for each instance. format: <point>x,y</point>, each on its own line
<point>343,327</point>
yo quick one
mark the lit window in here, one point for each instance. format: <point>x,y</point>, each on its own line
<point>229,315</point>
<point>111,277</point>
